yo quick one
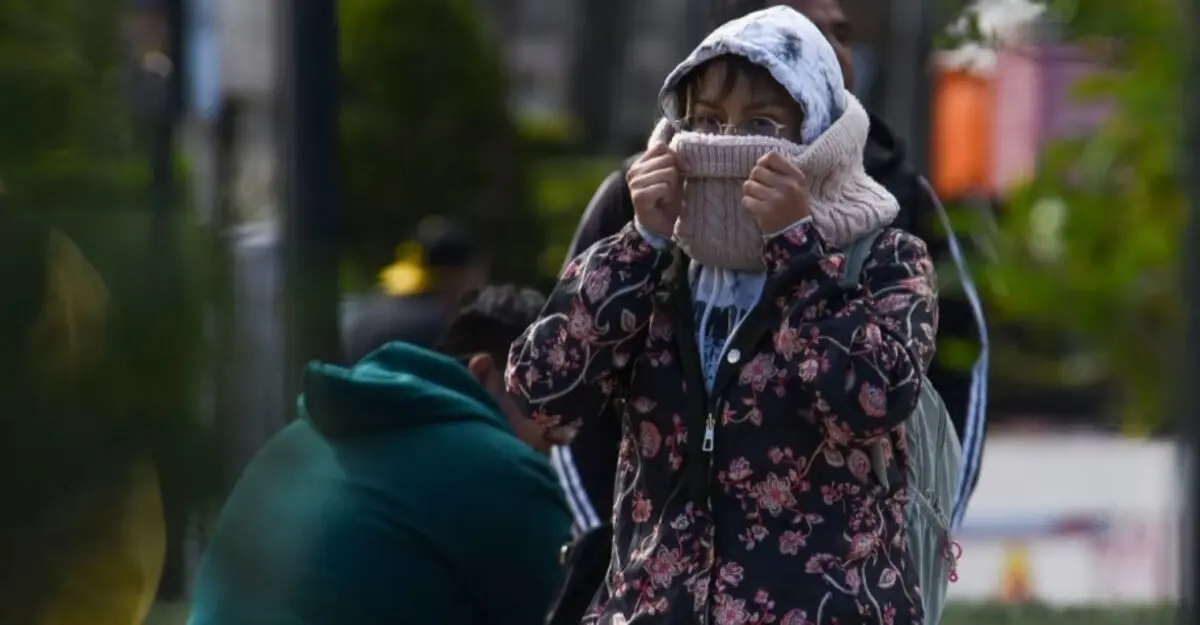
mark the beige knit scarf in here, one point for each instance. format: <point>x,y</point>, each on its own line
<point>716,231</point>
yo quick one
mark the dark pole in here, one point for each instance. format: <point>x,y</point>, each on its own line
<point>1190,591</point>
<point>920,137</point>
<point>310,199</point>
<point>908,76</point>
<point>602,33</point>
<point>162,88</point>
<point>167,267</point>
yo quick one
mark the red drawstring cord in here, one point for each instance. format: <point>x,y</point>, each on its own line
<point>954,551</point>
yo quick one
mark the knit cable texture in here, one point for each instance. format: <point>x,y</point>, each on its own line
<point>714,228</point>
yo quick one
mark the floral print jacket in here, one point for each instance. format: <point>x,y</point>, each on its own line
<point>753,503</point>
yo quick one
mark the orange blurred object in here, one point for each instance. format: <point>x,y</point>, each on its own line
<point>962,134</point>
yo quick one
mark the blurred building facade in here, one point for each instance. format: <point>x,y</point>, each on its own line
<point>539,36</point>
<point>231,133</point>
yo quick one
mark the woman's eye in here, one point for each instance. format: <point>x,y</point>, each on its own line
<point>706,124</point>
<point>764,126</point>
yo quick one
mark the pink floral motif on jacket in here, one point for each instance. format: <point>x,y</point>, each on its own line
<point>795,529</point>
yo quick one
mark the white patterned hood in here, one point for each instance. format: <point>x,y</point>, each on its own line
<point>791,48</point>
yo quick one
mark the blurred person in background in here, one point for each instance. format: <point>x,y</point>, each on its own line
<point>588,465</point>
<point>82,535</point>
<point>756,383</point>
<point>403,494</point>
<point>420,291</point>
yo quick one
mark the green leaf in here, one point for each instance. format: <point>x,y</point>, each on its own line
<point>1111,279</point>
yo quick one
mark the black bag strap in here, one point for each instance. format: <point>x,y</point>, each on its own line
<point>585,561</point>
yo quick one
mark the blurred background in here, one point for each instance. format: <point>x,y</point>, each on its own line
<point>240,172</point>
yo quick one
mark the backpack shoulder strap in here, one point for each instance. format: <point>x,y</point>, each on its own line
<point>857,254</point>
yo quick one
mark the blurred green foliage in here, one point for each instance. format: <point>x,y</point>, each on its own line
<point>426,130</point>
<point>1037,614</point>
<point>549,135</point>
<point>158,351</point>
<point>562,181</point>
<point>562,189</point>
<point>1090,248</point>
<point>65,131</point>
<point>70,155</point>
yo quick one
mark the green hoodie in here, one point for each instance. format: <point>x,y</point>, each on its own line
<point>401,496</point>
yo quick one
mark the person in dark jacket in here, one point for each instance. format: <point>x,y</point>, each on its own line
<point>756,384</point>
<point>588,465</point>
<point>420,291</point>
<point>402,495</point>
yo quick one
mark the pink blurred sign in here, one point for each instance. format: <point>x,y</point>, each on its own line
<point>1034,105</point>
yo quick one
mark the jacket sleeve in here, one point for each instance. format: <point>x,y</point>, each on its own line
<point>568,364</point>
<point>859,356</point>
<point>610,209</point>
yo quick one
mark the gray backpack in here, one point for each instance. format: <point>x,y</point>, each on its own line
<point>935,457</point>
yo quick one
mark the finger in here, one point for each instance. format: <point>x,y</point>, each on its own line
<point>754,206</point>
<point>780,164</point>
<point>668,193</point>
<point>650,195</point>
<point>681,164</point>
<point>639,165</point>
<point>758,191</point>
<point>670,176</point>
<point>655,150</point>
<point>769,178</point>
<point>662,161</point>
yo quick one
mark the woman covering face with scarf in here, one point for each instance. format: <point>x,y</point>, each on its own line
<point>754,382</point>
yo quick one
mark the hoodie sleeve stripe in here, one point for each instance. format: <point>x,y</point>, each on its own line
<point>582,511</point>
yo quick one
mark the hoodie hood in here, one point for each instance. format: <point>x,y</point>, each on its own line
<point>846,202</point>
<point>397,386</point>
<point>790,47</point>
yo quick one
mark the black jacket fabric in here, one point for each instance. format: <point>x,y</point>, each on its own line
<point>749,498</point>
<point>587,468</point>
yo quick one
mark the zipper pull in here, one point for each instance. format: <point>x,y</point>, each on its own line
<point>710,430</point>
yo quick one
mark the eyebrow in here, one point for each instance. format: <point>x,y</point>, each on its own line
<point>760,106</point>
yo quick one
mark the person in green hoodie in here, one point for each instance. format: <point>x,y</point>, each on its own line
<point>402,495</point>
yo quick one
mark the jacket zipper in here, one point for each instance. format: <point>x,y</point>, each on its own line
<point>699,400</point>
<point>694,375</point>
<point>759,321</point>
